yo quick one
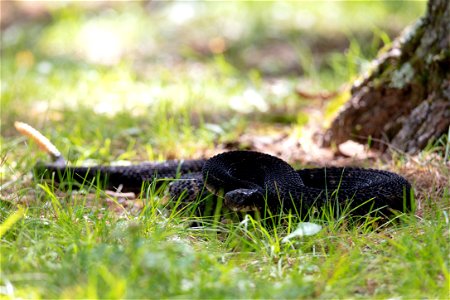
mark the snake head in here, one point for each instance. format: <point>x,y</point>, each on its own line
<point>244,199</point>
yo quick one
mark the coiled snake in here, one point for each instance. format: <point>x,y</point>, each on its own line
<point>247,180</point>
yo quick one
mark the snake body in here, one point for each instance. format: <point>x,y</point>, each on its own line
<point>249,180</point>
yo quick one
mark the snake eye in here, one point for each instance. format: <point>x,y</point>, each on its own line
<point>244,199</point>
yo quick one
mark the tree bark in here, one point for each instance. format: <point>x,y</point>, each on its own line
<point>405,100</point>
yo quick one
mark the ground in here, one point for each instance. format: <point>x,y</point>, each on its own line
<point>130,82</point>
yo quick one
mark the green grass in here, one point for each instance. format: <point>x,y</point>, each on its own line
<point>65,249</point>
<point>168,97</point>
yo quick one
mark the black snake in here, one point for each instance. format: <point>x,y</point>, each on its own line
<point>249,180</point>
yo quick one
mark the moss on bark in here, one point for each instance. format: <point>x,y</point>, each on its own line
<point>405,100</point>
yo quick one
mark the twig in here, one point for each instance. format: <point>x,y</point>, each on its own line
<point>323,95</point>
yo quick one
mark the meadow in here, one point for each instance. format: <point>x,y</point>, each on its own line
<point>129,82</point>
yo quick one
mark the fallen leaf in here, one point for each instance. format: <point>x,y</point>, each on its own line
<point>303,229</point>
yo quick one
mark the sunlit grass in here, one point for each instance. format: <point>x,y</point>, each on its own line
<point>69,249</point>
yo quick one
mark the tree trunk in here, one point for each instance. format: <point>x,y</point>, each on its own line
<point>405,100</point>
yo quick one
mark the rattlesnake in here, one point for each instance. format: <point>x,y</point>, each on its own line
<point>247,180</point>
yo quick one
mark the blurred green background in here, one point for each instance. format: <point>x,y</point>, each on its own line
<point>182,69</point>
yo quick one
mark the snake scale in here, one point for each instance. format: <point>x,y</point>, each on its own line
<point>248,180</point>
